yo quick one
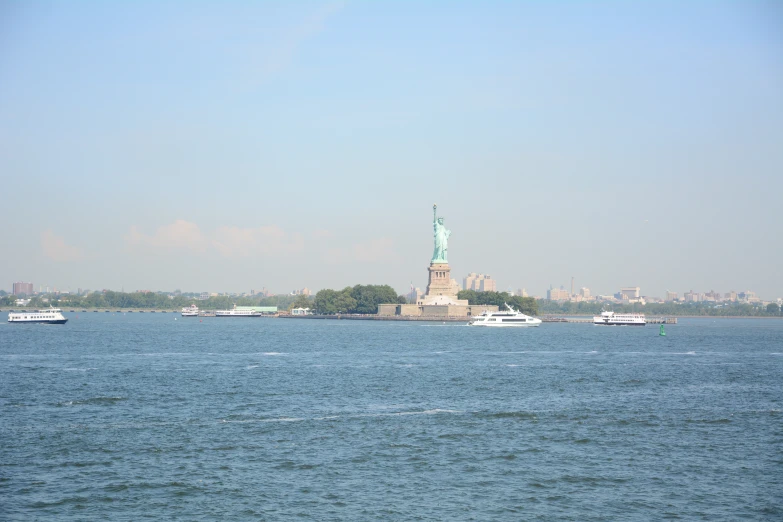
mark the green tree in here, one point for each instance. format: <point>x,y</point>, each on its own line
<point>401,299</point>
<point>344,302</point>
<point>368,297</point>
<point>325,301</point>
<point>773,309</point>
<point>301,301</point>
<point>526,305</point>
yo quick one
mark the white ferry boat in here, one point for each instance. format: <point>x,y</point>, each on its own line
<point>50,316</point>
<point>238,312</point>
<point>190,311</point>
<point>511,318</point>
<point>610,318</point>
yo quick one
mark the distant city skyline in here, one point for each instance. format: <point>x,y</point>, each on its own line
<point>237,146</point>
<point>470,282</point>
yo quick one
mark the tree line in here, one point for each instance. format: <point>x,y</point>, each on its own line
<point>150,300</point>
<point>364,299</point>
<point>359,299</point>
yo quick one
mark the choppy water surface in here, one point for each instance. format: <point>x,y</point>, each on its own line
<point>125,416</point>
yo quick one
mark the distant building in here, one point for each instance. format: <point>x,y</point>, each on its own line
<point>712,296</point>
<point>670,296</point>
<point>415,295</point>
<point>748,296</point>
<point>487,285</point>
<point>301,311</point>
<point>23,288</point>
<point>557,294</point>
<point>521,292</point>
<point>691,297</point>
<point>585,292</point>
<point>631,292</point>
<point>203,296</point>
<point>479,283</point>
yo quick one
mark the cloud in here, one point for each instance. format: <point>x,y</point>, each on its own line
<point>252,242</point>
<point>233,242</point>
<point>54,248</point>
<point>180,235</point>
<point>321,233</point>
<point>381,249</point>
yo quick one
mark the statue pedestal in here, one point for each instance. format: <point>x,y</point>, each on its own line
<point>441,289</point>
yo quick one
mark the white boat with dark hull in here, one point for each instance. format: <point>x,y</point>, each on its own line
<point>238,312</point>
<point>50,316</point>
<point>609,318</point>
<point>190,311</point>
<point>512,318</point>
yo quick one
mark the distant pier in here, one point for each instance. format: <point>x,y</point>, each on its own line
<point>650,320</point>
<point>461,319</point>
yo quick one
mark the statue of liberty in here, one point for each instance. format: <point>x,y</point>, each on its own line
<point>440,255</point>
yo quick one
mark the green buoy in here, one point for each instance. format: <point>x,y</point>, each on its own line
<point>663,332</point>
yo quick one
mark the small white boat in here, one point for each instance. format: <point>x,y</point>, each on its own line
<point>50,316</point>
<point>609,318</point>
<point>190,311</point>
<point>512,318</point>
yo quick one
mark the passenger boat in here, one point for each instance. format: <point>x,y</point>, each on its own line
<point>512,318</point>
<point>609,318</point>
<point>238,312</point>
<point>190,311</point>
<point>50,316</point>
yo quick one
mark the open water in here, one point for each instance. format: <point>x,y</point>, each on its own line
<point>127,416</point>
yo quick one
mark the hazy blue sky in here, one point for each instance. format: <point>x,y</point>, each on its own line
<point>234,145</point>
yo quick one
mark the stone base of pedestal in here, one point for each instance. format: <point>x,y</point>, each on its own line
<point>440,284</point>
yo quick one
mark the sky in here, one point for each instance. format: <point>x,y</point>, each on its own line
<point>230,146</point>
